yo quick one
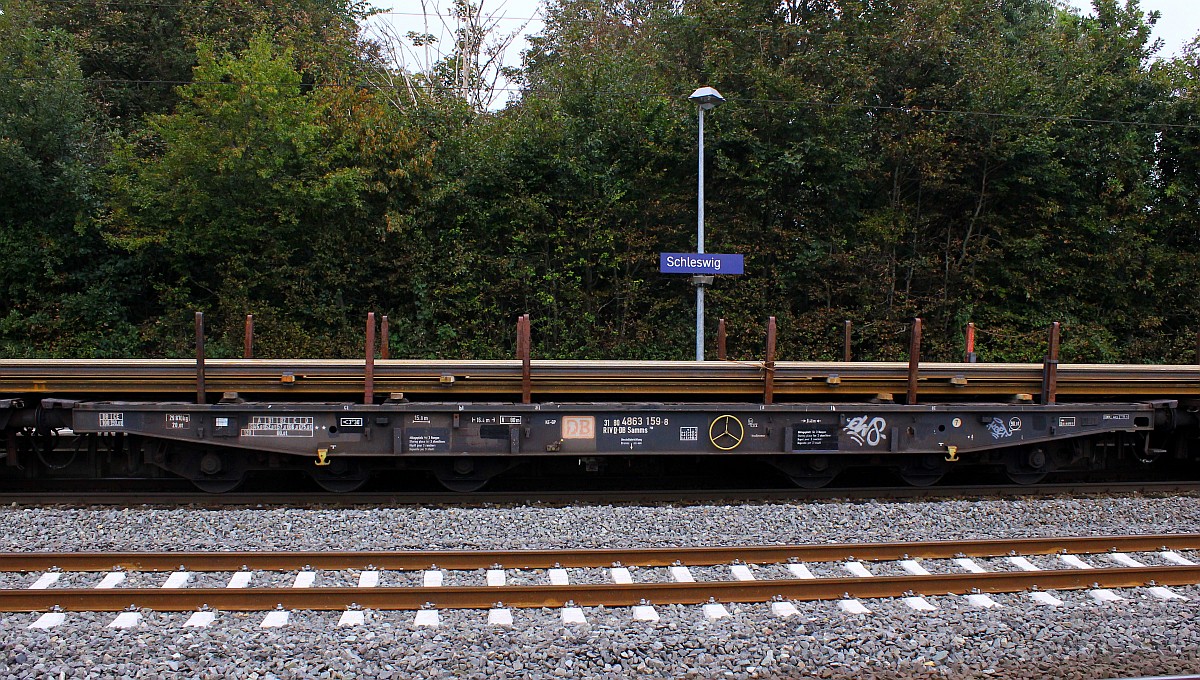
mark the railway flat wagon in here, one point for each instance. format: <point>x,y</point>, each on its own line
<point>340,421</point>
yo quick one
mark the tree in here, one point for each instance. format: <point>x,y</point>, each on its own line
<point>137,53</point>
<point>253,197</point>
<point>61,292</point>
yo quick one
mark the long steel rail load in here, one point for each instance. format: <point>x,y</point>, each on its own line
<point>301,378</point>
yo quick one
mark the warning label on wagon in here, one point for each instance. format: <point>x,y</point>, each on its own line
<point>814,438</point>
<point>427,440</point>
<point>278,426</point>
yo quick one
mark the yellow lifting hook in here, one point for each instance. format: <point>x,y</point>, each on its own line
<point>951,454</point>
<point>322,454</point>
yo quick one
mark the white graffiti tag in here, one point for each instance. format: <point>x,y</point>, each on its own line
<point>866,432</point>
<point>998,429</point>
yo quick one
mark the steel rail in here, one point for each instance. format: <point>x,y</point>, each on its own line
<point>451,378</point>
<point>484,597</point>
<point>541,559</point>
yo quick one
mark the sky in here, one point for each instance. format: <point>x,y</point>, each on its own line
<point>1179,23</point>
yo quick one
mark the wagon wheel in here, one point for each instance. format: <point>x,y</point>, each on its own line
<point>466,474</point>
<point>810,472</point>
<point>342,475</point>
<point>210,485</point>
<point>1029,466</point>
<point>461,484</point>
<point>923,470</point>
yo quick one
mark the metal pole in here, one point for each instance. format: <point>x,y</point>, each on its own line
<point>524,351</point>
<point>769,365</point>
<point>1050,367</point>
<point>384,334</point>
<point>700,244</point>
<point>914,361</point>
<point>846,356</point>
<point>248,346</point>
<point>369,366</point>
<point>200,392</point>
<point>721,339</point>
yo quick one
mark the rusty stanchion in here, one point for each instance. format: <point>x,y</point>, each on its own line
<point>846,356</point>
<point>369,366</point>
<point>721,339</point>
<point>769,365</point>
<point>200,393</point>
<point>524,349</point>
<point>384,352</point>
<point>970,357</point>
<point>248,346</point>
<point>1050,368</point>
<point>914,360</point>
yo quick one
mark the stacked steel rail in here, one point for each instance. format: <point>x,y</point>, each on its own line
<point>449,380</point>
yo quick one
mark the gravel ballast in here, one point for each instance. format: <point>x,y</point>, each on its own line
<point>1141,635</point>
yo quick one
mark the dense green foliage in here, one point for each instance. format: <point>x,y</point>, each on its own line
<point>1006,162</point>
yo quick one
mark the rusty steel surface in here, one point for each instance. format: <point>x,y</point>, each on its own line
<point>847,355</point>
<point>248,342</point>
<point>613,595</point>
<point>769,364</point>
<point>200,358</point>
<point>524,348</point>
<point>369,362</point>
<point>280,378</point>
<point>914,363</point>
<point>540,559</point>
<point>1050,367</point>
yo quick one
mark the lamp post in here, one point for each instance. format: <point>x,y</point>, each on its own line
<point>705,98</point>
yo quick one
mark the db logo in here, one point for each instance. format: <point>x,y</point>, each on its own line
<point>579,427</point>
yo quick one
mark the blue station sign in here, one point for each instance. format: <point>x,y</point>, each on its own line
<point>699,263</point>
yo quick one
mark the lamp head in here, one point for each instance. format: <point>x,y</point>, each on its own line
<point>706,97</point>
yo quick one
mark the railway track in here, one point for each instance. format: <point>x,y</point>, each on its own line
<point>173,498</point>
<point>656,379</point>
<point>428,581</point>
